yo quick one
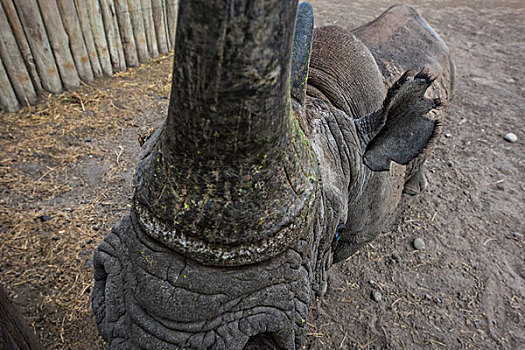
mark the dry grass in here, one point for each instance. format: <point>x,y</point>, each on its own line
<point>61,190</point>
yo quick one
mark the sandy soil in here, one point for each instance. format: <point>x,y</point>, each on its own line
<point>66,168</point>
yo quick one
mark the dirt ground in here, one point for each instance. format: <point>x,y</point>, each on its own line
<point>65,179</point>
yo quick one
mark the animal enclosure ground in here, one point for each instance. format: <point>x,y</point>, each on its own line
<point>65,179</point>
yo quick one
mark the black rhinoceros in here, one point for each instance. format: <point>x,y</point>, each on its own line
<point>280,155</point>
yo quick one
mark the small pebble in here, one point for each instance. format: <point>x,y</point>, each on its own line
<point>89,264</point>
<point>54,238</point>
<point>447,135</point>
<point>510,137</point>
<point>44,218</point>
<point>376,296</point>
<point>96,228</point>
<point>418,244</point>
<point>428,297</point>
<point>517,235</point>
<point>85,252</point>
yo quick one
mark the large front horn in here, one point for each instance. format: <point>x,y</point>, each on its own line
<point>229,178</point>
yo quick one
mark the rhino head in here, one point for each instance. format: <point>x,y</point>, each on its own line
<point>270,166</point>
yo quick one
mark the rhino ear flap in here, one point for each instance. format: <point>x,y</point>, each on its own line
<point>302,46</point>
<point>407,129</point>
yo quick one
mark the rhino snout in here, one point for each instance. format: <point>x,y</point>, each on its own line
<point>163,300</point>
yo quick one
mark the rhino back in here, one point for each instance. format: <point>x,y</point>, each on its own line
<point>400,40</point>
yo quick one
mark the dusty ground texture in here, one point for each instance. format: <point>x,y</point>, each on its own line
<point>65,176</point>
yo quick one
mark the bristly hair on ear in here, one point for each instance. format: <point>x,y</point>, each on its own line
<point>396,86</point>
<point>425,75</point>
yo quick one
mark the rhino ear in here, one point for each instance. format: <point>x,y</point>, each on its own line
<point>302,46</point>
<point>401,129</point>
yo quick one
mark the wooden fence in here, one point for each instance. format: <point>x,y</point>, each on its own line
<point>52,45</point>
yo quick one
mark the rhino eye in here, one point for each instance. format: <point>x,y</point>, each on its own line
<point>338,232</point>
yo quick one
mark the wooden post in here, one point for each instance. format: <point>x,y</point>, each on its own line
<point>8,101</point>
<point>85,25</point>
<point>159,22</point>
<point>137,21</point>
<point>126,33</point>
<point>36,35</point>
<point>99,36</point>
<point>14,64</point>
<point>23,45</point>
<point>112,35</point>
<point>15,333</point>
<point>151,37</point>
<point>172,7</point>
<point>60,43</point>
<point>165,13</point>
<point>120,48</point>
<point>76,40</point>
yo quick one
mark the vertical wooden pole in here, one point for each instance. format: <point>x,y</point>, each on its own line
<point>113,35</point>
<point>159,22</point>
<point>126,33</point>
<point>172,7</point>
<point>60,43</point>
<point>8,101</point>
<point>36,35</point>
<point>76,40</point>
<point>25,50</point>
<point>137,21</point>
<point>85,25</point>
<point>99,35</point>
<point>166,30</point>
<point>120,47</point>
<point>14,63</point>
<point>151,37</point>
<point>16,330</point>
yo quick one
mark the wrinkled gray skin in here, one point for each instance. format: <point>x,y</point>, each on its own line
<point>360,136</point>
